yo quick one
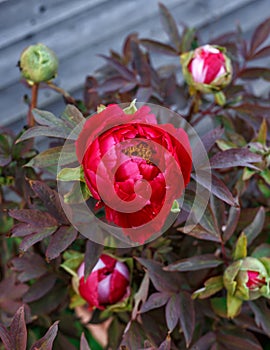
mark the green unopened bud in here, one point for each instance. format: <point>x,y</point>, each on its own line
<point>38,64</point>
<point>247,279</point>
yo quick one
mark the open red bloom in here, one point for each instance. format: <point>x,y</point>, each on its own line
<point>254,281</point>
<point>134,167</point>
<point>107,284</point>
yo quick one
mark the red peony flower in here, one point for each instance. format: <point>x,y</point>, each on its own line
<point>254,281</point>
<point>107,284</point>
<point>134,167</point>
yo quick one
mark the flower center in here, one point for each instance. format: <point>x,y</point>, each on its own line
<point>142,150</point>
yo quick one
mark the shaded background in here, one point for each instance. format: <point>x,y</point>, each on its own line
<point>79,30</point>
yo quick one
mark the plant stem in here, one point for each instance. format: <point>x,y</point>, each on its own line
<point>33,104</point>
<point>64,93</point>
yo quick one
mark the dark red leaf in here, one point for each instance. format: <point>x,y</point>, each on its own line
<point>156,46</point>
<point>204,342</point>
<point>187,316</point>
<point>170,26</point>
<point>40,288</point>
<point>235,157</point>
<point>46,342</point>
<point>115,84</point>
<point>154,301</point>
<point>172,312</point>
<point>255,73</point>
<point>30,240</point>
<point>162,281</point>
<point>30,265</point>
<point>262,315</point>
<point>141,64</point>
<point>210,138</point>
<point>194,263</point>
<point>238,340</point>
<point>215,186</point>
<point>11,293</point>
<point>200,232</point>
<point>6,338</point>
<point>262,53</point>
<point>34,217</point>
<point>232,222</point>
<point>133,338</point>
<point>92,254</point>
<point>50,199</point>
<point>256,225</point>
<point>123,70</point>
<point>260,35</point>
<point>84,345</point>
<point>252,110</point>
<point>166,344</point>
<point>18,330</point>
<point>60,241</point>
<point>143,94</point>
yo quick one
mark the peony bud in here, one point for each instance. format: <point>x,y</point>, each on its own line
<point>206,69</point>
<point>38,64</point>
<point>247,279</point>
<point>107,284</point>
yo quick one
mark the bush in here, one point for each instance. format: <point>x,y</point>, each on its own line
<point>203,283</point>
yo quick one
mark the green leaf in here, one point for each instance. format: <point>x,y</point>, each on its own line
<point>261,251</point>
<point>262,134</point>
<point>230,275</point>
<point>131,109</point>
<point>51,157</point>
<point>265,174</point>
<point>211,287</point>
<point>240,250</point>
<point>72,261</point>
<point>79,193</point>
<point>71,174</point>
<point>175,207</point>
<point>195,263</point>
<point>233,306</point>
<point>219,305</point>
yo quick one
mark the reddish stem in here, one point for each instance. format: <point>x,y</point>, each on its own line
<point>30,117</point>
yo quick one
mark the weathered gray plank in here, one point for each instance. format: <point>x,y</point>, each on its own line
<point>212,16</point>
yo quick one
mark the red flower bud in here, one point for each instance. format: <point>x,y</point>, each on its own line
<point>207,69</point>
<point>207,65</point>
<point>107,284</point>
<point>254,281</point>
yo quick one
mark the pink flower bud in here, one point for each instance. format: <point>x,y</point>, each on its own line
<point>107,284</point>
<point>207,69</point>
<point>207,65</point>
